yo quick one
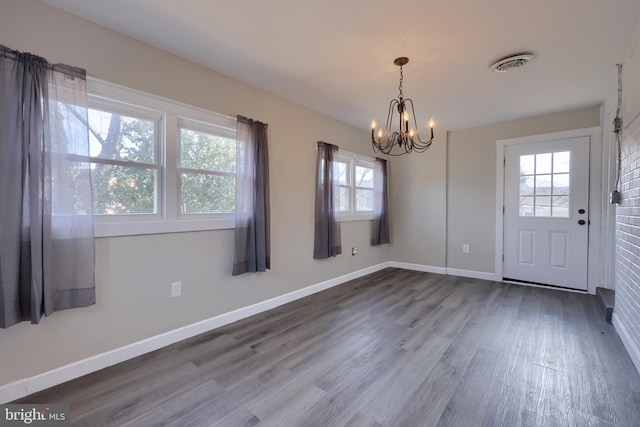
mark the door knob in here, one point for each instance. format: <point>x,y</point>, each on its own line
<point>582,222</point>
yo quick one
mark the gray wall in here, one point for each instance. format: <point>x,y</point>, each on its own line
<point>134,273</point>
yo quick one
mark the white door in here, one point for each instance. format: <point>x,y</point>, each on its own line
<point>546,217</point>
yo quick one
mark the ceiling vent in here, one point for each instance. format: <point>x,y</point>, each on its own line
<point>511,62</point>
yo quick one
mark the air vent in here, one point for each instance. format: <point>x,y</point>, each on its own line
<point>511,62</point>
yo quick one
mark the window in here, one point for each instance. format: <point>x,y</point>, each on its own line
<point>206,169</point>
<point>355,176</point>
<point>123,145</point>
<point>158,165</point>
<point>544,184</point>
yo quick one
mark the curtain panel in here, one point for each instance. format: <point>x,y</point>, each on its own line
<point>327,217</point>
<point>252,251</point>
<point>380,234</point>
<point>46,215</point>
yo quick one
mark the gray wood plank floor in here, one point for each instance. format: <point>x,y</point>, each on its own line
<point>395,348</point>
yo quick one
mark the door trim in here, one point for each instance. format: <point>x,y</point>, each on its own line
<point>596,195</point>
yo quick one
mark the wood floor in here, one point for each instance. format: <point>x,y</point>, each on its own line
<point>396,348</point>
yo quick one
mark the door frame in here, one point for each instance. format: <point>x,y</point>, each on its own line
<point>596,196</point>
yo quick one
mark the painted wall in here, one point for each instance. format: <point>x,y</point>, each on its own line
<point>134,273</point>
<point>471,182</point>
<point>626,316</point>
<point>418,205</point>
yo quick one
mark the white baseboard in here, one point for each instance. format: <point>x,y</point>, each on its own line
<point>471,273</point>
<point>417,267</point>
<point>632,349</point>
<point>443,270</point>
<point>26,386</point>
<point>13,391</point>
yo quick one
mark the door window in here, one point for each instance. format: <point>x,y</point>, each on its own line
<point>544,185</point>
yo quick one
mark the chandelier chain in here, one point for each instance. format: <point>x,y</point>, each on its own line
<point>400,85</point>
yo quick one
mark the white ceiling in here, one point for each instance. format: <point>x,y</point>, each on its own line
<point>336,57</point>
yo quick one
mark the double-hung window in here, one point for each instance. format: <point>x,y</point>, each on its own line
<point>355,177</point>
<point>158,165</point>
<point>206,168</point>
<point>125,159</point>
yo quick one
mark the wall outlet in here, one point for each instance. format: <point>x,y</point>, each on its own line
<point>354,251</point>
<point>176,289</point>
<point>465,248</point>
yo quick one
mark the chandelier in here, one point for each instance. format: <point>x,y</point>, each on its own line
<point>405,138</point>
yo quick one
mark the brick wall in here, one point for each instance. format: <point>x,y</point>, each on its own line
<point>627,265</point>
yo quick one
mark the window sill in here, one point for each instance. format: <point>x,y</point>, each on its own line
<point>356,217</point>
<point>133,228</point>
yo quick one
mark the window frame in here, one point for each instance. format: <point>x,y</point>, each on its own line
<point>352,160</point>
<point>167,218</point>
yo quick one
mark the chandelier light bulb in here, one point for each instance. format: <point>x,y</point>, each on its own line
<point>373,124</point>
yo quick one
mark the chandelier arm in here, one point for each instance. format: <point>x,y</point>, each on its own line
<point>417,136</point>
<point>393,104</point>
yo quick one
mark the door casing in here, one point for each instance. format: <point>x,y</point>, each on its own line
<point>596,195</point>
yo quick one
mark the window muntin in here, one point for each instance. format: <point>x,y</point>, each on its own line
<point>206,169</point>
<point>545,185</point>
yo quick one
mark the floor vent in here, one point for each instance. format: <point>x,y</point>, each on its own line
<point>606,300</point>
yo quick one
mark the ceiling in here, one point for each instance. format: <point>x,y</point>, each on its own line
<point>336,57</point>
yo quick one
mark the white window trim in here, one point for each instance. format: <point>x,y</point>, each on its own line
<point>168,219</point>
<point>353,159</point>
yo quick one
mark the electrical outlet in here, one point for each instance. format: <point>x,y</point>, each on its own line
<point>176,289</point>
<point>465,248</point>
<point>354,251</point>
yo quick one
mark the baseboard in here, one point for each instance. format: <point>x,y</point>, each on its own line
<point>417,267</point>
<point>26,386</point>
<point>13,391</point>
<point>471,273</point>
<point>633,351</point>
<point>443,270</point>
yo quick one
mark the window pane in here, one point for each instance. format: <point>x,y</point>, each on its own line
<point>526,206</point>
<point>123,189</point>
<point>204,193</point>
<point>543,185</point>
<point>343,199</point>
<point>342,172</point>
<point>364,200</point>
<point>206,151</point>
<point>543,206</point>
<point>364,177</point>
<point>561,184</point>
<point>543,163</point>
<point>526,185</point>
<point>561,206</point>
<point>527,165</point>
<point>118,137</point>
<point>562,162</point>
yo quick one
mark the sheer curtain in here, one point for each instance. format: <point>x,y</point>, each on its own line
<point>327,224</point>
<point>381,204</point>
<point>46,216</point>
<point>252,233</point>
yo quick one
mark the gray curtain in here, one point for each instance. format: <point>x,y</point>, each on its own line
<point>252,233</point>
<point>46,217</point>
<point>380,233</point>
<point>327,224</point>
